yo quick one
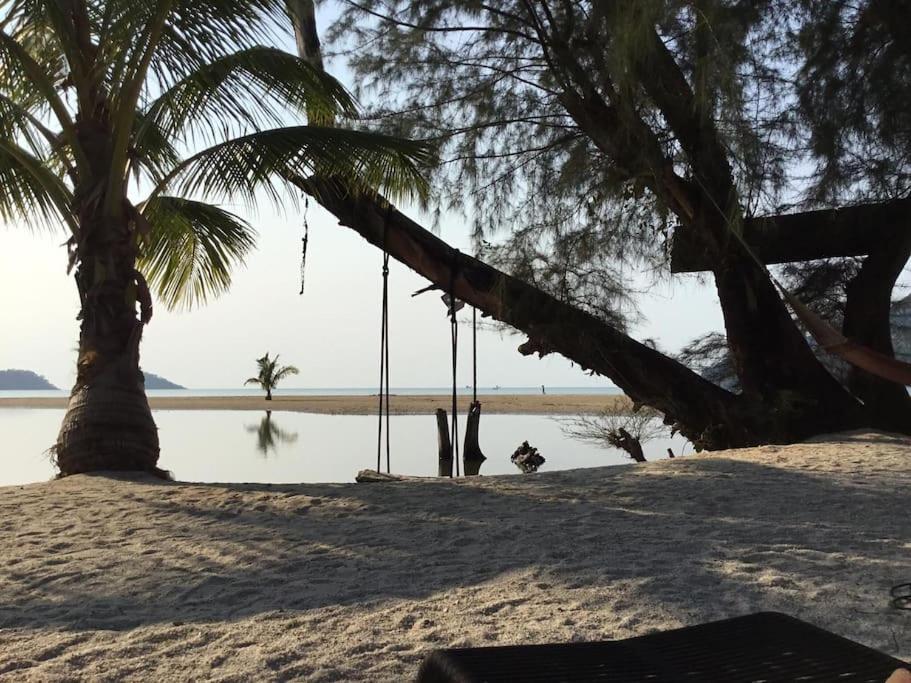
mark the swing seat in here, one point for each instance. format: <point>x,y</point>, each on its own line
<point>767,646</point>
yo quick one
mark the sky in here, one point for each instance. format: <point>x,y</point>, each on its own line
<point>331,333</point>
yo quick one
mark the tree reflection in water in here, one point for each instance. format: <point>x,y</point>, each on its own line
<point>269,435</point>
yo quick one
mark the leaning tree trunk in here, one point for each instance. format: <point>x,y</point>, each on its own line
<point>706,414</point>
<point>108,423</point>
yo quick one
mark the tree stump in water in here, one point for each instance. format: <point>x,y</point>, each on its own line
<point>445,445</point>
<point>527,458</point>
<point>621,438</point>
<point>472,455</point>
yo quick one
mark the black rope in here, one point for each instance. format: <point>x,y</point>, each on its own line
<point>454,332</point>
<point>304,243</point>
<point>386,315</point>
<point>474,355</point>
<point>384,363</point>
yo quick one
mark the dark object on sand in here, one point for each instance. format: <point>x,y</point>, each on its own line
<point>767,646</point>
<point>901,596</point>
<point>527,458</point>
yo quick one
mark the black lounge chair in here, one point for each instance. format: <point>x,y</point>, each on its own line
<point>766,647</point>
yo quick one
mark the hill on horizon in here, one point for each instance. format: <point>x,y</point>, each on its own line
<point>154,381</point>
<point>23,380</point>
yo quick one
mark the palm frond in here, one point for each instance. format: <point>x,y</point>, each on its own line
<point>200,32</point>
<point>262,160</point>
<point>285,372</point>
<point>152,151</point>
<point>191,249</point>
<point>32,83</point>
<point>30,192</point>
<point>252,88</point>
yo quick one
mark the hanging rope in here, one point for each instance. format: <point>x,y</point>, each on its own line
<point>474,355</point>
<point>304,243</point>
<point>384,362</point>
<point>454,331</point>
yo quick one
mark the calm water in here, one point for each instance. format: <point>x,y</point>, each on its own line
<point>246,446</point>
<point>340,391</point>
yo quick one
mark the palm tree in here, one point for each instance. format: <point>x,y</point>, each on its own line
<point>124,120</point>
<point>270,374</point>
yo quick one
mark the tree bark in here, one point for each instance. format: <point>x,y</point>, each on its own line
<point>108,424</point>
<point>868,322</point>
<point>624,440</point>
<point>472,457</point>
<point>828,233</point>
<point>444,445</point>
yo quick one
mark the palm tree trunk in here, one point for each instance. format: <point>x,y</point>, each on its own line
<point>108,423</point>
<point>268,394</point>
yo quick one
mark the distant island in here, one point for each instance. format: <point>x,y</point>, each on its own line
<point>155,382</point>
<point>23,380</point>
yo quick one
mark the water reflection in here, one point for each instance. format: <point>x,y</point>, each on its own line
<point>269,435</point>
<point>219,445</point>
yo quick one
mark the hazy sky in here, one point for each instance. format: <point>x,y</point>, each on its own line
<point>331,333</point>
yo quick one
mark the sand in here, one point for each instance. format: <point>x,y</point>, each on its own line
<point>512,404</point>
<point>128,578</point>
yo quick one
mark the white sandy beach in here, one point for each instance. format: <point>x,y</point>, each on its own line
<point>118,579</point>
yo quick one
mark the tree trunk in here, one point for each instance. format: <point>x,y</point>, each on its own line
<point>108,424</point>
<point>444,445</point>
<point>268,394</point>
<point>472,457</point>
<point>707,415</point>
<point>622,439</point>
<point>867,322</point>
<point>830,233</point>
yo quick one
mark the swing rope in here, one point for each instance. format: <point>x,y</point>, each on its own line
<point>304,243</point>
<point>384,364</point>
<point>474,354</point>
<point>454,333</point>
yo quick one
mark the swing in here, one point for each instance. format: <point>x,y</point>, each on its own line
<point>448,440</point>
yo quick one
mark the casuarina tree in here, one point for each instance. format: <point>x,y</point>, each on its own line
<point>665,136</point>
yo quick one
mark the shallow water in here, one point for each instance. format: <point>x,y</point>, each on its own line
<point>248,446</point>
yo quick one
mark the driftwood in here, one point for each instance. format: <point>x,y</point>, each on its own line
<point>374,477</point>
<point>527,458</point>
<point>471,453</point>
<point>444,443</point>
<point>621,438</point>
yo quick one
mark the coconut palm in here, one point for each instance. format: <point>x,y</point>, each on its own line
<point>270,374</point>
<point>125,121</point>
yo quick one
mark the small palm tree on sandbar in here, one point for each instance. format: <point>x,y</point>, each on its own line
<point>270,374</point>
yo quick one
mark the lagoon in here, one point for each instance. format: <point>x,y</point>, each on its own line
<point>246,446</point>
